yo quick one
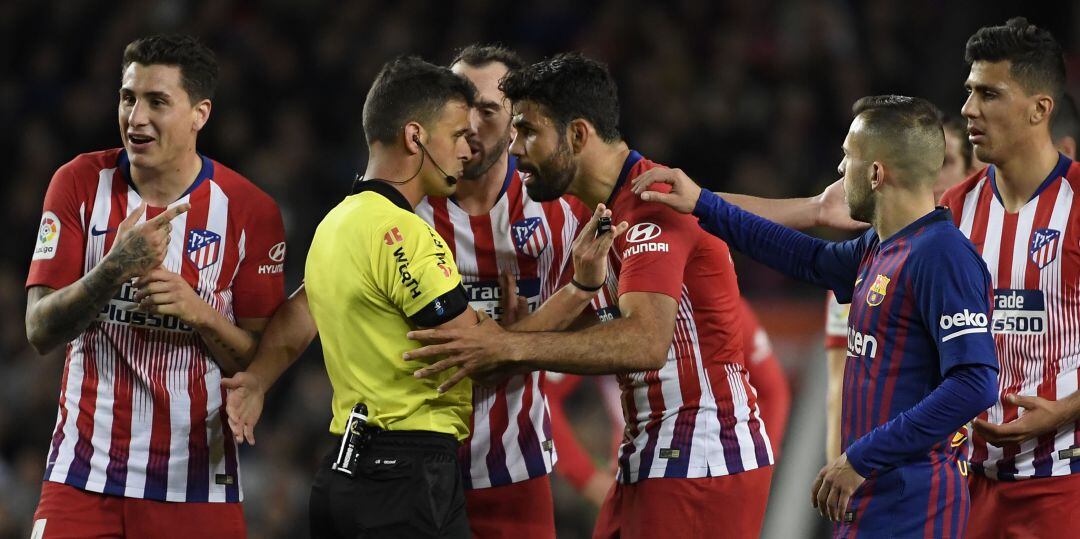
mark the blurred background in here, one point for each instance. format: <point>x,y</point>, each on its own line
<point>749,96</point>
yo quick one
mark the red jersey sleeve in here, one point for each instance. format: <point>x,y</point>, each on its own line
<point>61,237</point>
<point>655,249</point>
<point>259,287</point>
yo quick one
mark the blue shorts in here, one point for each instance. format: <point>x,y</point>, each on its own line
<point>926,499</point>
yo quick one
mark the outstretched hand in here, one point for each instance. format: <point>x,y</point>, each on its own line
<point>477,351</point>
<point>1040,416</point>
<point>243,405</point>
<point>833,210</point>
<point>683,195</point>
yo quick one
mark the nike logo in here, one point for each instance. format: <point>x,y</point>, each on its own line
<point>857,281</point>
<point>94,231</point>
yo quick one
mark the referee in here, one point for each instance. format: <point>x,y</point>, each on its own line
<point>374,271</point>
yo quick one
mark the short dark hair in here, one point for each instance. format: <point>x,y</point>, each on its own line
<point>569,86</point>
<point>1034,55</point>
<point>410,89</point>
<point>909,127</point>
<point>957,125</point>
<point>1065,121</point>
<point>478,55</point>
<point>197,63</point>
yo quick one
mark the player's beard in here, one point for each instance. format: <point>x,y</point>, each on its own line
<point>861,202</point>
<point>487,158</point>
<point>552,178</point>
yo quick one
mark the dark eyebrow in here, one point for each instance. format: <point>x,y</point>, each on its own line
<point>982,87</point>
<point>520,123</point>
<point>485,104</point>
<point>149,95</point>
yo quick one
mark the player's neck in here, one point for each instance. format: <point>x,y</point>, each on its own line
<point>161,186</point>
<point>899,210</point>
<point>599,172</point>
<point>1022,173</point>
<point>479,196</point>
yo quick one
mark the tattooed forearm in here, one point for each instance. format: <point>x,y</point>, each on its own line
<point>231,347</point>
<point>56,317</point>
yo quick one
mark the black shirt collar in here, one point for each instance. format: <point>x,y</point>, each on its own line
<point>384,189</point>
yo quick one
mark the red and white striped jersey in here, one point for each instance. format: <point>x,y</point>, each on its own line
<point>696,416</point>
<point>140,409</point>
<point>1034,259</point>
<point>510,438</point>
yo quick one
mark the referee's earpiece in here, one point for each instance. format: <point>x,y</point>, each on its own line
<point>450,180</point>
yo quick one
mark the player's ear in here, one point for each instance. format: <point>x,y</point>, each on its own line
<point>579,132</point>
<point>877,175</point>
<point>201,114</point>
<point>1044,107</point>
<point>413,135</point>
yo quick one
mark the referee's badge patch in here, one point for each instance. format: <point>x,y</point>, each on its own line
<point>877,291</point>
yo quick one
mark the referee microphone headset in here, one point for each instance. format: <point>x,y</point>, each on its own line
<point>450,180</point>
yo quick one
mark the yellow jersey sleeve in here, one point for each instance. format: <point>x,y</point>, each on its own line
<point>414,265</point>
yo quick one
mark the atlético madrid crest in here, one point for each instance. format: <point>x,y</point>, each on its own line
<point>1044,246</point>
<point>202,247</point>
<point>877,291</point>
<point>530,236</point>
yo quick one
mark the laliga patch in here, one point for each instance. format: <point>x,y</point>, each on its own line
<point>877,292</point>
<point>48,237</point>
<point>202,247</point>
<point>1044,246</point>
<point>530,236</point>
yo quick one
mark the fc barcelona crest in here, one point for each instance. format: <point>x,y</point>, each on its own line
<point>202,247</point>
<point>1044,246</point>
<point>877,291</point>
<point>530,236</point>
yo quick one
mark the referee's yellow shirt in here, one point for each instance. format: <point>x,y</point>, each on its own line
<point>372,264</point>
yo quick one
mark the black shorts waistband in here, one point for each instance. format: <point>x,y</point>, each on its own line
<point>421,440</point>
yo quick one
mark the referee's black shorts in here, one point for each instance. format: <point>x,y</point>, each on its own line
<point>407,484</point>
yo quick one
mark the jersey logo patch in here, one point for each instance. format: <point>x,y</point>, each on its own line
<point>202,247</point>
<point>48,237</point>
<point>277,252</point>
<point>642,232</point>
<point>877,291</point>
<point>530,236</point>
<point>392,237</point>
<point>1044,246</point>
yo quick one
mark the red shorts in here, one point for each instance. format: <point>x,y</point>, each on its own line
<point>66,512</point>
<point>659,507</point>
<point>520,510</point>
<point>1023,509</point>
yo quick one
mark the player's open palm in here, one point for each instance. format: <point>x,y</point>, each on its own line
<point>141,247</point>
<point>683,195</point>
<point>243,405</point>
